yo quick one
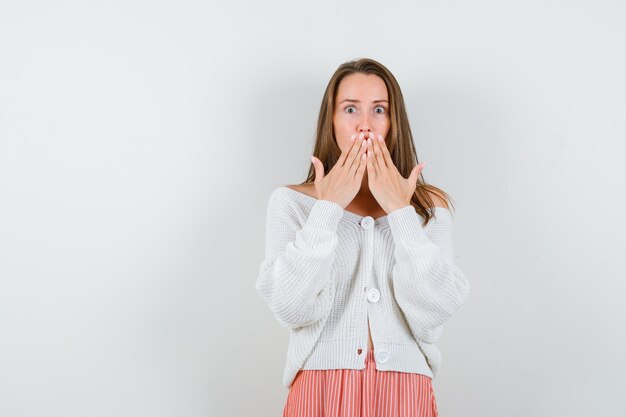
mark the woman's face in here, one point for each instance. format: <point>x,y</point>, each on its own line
<point>362,105</point>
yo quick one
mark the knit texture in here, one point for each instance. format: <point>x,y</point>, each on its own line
<point>326,270</point>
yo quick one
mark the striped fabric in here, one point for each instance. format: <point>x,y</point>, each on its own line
<point>360,393</point>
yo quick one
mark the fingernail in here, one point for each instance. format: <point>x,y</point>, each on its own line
<point>353,137</point>
<point>362,135</point>
<point>380,138</point>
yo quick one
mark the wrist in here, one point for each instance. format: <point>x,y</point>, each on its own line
<point>396,206</point>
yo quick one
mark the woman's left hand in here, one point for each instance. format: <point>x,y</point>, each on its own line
<point>388,186</point>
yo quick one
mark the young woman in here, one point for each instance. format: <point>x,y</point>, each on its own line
<point>359,262</point>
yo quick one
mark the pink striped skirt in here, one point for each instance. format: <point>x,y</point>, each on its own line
<point>360,393</point>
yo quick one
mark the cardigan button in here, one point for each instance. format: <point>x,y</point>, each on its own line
<point>382,356</point>
<point>373,295</point>
<point>367,222</point>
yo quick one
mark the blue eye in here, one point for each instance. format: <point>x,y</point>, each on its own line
<point>378,107</point>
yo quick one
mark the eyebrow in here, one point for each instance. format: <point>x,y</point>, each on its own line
<point>358,101</point>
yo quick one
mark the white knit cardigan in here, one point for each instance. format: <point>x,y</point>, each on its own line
<point>327,270</point>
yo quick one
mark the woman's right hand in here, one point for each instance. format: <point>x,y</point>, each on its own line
<point>343,181</point>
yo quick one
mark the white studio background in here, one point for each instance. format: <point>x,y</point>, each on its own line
<point>140,140</point>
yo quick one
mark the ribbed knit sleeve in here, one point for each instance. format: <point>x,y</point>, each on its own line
<point>295,276</point>
<point>428,286</point>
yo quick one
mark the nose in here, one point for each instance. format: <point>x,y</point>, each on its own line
<point>365,125</point>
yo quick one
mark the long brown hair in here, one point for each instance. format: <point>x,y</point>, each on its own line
<point>399,140</point>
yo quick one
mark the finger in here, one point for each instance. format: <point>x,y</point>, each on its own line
<point>362,166</point>
<point>371,165</point>
<point>357,161</point>
<point>319,168</point>
<point>378,153</point>
<point>413,177</point>
<point>355,151</point>
<point>418,170</point>
<point>383,147</point>
<point>344,155</point>
<point>381,165</point>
